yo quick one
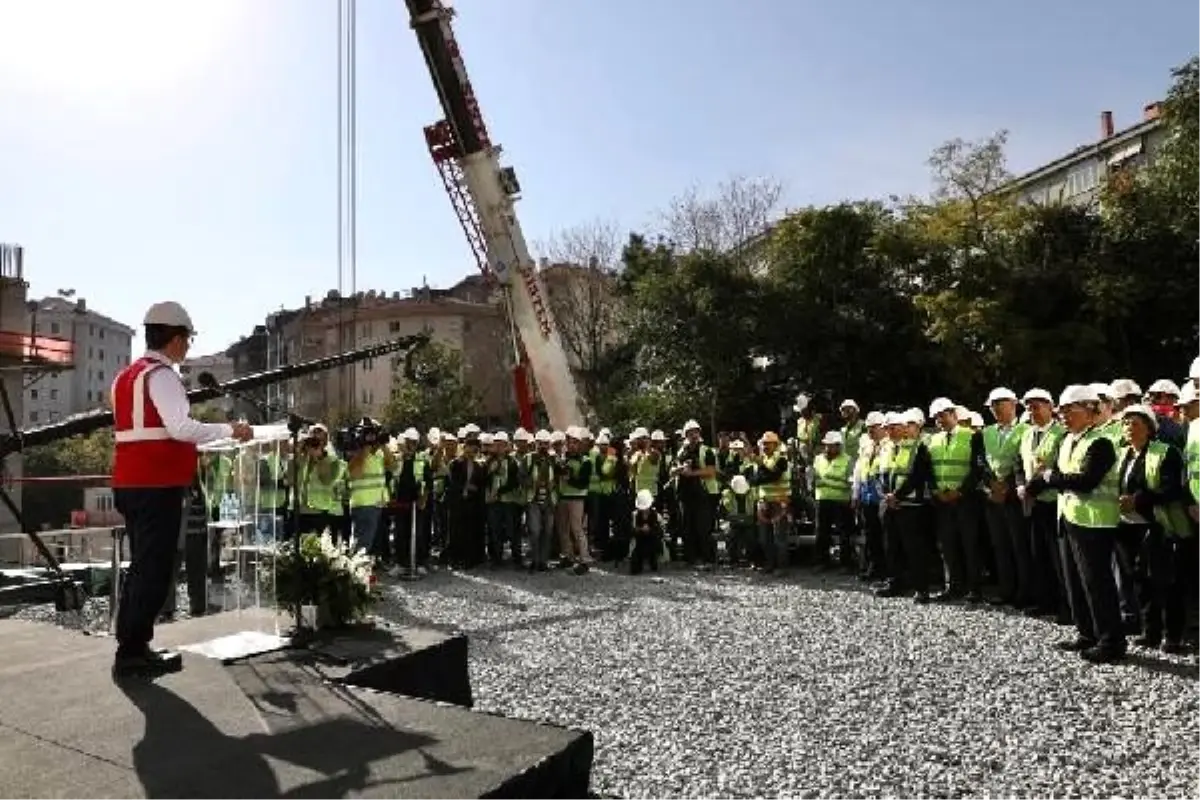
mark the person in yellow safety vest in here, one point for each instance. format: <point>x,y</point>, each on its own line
<point>1038,449</point>
<point>907,502</point>
<point>505,498</point>
<point>646,530</point>
<point>808,430</point>
<point>216,472</point>
<point>772,489</point>
<point>319,471</point>
<point>893,577</point>
<point>643,463</point>
<point>956,453</point>
<point>1124,393</point>
<point>540,497</point>
<point>852,428</point>
<point>833,483</point>
<point>699,492</point>
<point>1003,512</point>
<point>738,505</point>
<point>1154,527</point>
<point>369,460</point>
<point>1086,478</point>
<point>600,492</point>
<point>1189,406</point>
<point>865,496</point>
<point>574,477</point>
<point>412,485</point>
<point>443,447</point>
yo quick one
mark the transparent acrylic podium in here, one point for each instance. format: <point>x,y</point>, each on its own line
<point>242,544</point>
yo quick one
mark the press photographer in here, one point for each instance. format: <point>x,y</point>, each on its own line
<point>368,464</point>
<point>320,472</point>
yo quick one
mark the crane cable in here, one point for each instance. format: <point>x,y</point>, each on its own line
<point>347,191</point>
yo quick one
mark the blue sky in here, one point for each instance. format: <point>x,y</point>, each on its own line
<point>187,150</point>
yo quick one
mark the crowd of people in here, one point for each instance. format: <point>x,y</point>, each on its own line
<point>1083,508</point>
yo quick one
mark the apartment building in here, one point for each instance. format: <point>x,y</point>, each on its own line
<point>102,347</point>
<point>338,324</point>
<point>1077,177</point>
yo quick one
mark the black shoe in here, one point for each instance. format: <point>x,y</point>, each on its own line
<point>1147,641</point>
<point>1174,648</point>
<point>998,601</point>
<point>888,591</point>
<point>1102,655</point>
<point>947,596</point>
<point>974,598</point>
<point>921,598</point>
<point>1036,611</point>
<point>149,662</point>
<point>1076,645</point>
<point>581,568</point>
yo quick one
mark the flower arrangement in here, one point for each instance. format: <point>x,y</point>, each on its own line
<point>317,571</point>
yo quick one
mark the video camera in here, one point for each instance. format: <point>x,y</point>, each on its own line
<point>364,433</point>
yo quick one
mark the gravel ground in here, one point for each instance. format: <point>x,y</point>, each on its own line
<point>699,684</point>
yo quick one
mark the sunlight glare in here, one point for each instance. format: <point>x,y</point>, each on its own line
<point>100,46</point>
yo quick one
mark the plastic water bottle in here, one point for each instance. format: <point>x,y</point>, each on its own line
<point>235,508</point>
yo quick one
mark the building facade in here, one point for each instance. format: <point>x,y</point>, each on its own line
<point>453,317</point>
<point>102,347</point>
<point>1077,177</point>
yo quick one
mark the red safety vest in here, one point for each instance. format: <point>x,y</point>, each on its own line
<point>145,455</point>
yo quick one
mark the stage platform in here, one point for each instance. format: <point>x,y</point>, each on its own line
<point>288,723</point>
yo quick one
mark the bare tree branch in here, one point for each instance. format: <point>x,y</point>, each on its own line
<point>579,269</point>
<point>739,210</point>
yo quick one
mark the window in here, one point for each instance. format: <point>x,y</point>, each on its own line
<point>53,328</point>
<point>91,353</point>
<point>101,355</point>
<point>368,365</point>
<point>33,394</point>
<point>91,330</point>
<point>1082,179</point>
<point>394,326</point>
<point>54,416</point>
<point>54,394</point>
<point>89,395</point>
<point>102,333</point>
<point>33,416</point>
<point>100,375</point>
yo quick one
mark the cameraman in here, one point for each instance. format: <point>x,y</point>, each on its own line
<point>369,461</point>
<point>319,473</point>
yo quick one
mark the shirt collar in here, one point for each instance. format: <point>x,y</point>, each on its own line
<point>154,355</point>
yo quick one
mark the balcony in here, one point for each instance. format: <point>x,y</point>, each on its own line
<point>36,352</point>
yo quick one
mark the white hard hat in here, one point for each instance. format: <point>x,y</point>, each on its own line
<point>874,419</point>
<point>500,436</point>
<point>893,418</point>
<point>606,432</point>
<point>1194,371</point>
<point>471,428</point>
<point>572,432</point>
<point>962,413</point>
<point>848,403</point>
<point>584,433</point>
<point>1146,412</point>
<point>1037,394</point>
<point>1101,389</point>
<point>462,432</point>
<point>976,419</point>
<point>639,433</point>
<point>939,405</point>
<point>434,433</point>
<point>521,435</point>
<point>558,436</point>
<point>603,438</point>
<point>1164,386</point>
<point>1124,387</point>
<point>1001,393</point>
<point>1187,394</point>
<point>739,484</point>
<point>170,314</point>
<point>447,437</point>
<point>542,436</point>
<point>914,416</point>
<point>691,425</point>
<point>412,435</point>
<point>658,436</point>
<point>1077,393</point>
<point>737,444</point>
<point>486,438</point>
<point>644,500</point>
<point>833,437</point>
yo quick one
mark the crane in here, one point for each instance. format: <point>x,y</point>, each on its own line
<point>483,193</point>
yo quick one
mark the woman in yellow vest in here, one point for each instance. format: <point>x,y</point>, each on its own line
<point>1154,528</point>
<point>1086,478</point>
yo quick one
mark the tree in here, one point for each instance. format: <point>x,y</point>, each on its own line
<point>725,221</point>
<point>51,503</point>
<point>434,394</point>
<point>581,284</point>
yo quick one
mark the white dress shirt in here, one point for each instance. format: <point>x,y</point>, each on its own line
<point>170,398</point>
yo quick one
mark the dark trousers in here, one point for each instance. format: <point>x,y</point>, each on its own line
<point>1010,547</point>
<point>502,529</point>
<point>1091,586</point>
<point>599,520</point>
<point>915,541</point>
<point>1166,579</point>
<point>699,516</point>
<point>153,523</point>
<point>874,561</point>
<point>406,515</point>
<point>646,549</point>
<point>316,522</point>
<point>957,527</point>
<point>1129,567</point>
<point>834,516</point>
<point>1050,590</point>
